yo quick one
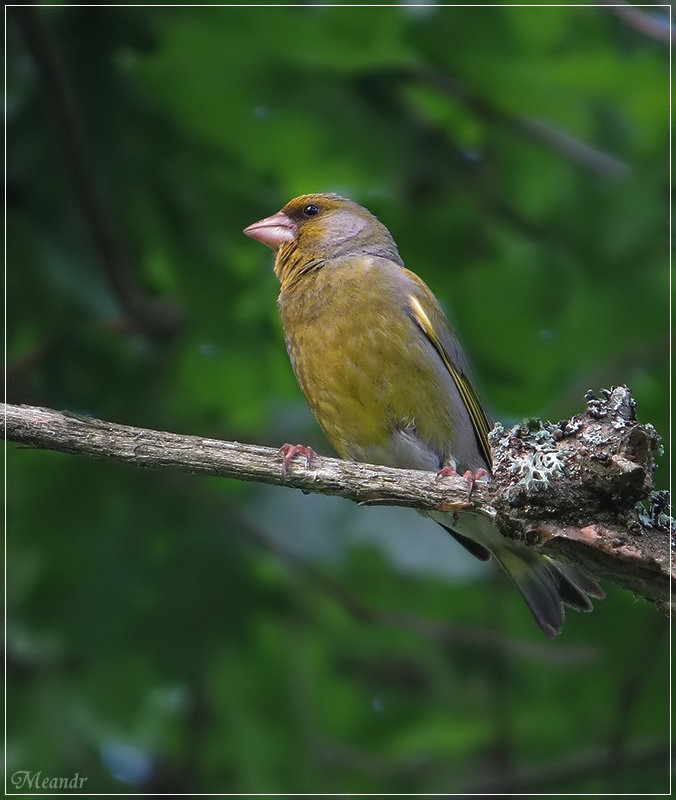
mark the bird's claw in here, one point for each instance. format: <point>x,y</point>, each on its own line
<point>290,451</point>
<point>446,472</point>
<point>468,475</point>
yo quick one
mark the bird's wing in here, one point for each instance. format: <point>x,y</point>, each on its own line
<point>428,316</point>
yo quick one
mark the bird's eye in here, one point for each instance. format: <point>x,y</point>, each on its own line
<point>310,210</point>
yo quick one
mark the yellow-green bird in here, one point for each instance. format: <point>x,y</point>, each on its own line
<point>386,377</point>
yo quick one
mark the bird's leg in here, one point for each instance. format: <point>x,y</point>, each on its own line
<point>290,451</point>
<point>468,475</point>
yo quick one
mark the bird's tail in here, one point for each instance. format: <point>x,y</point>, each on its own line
<point>545,584</point>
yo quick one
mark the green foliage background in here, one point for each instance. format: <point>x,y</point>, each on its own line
<point>169,633</point>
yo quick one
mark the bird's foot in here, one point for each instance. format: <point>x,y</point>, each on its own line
<point>290,451</point>
<point>468,475</point>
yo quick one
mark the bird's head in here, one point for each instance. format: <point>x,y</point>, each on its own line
<point>314,228</point>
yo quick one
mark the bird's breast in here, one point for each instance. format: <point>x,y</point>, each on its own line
<point>364,372</point>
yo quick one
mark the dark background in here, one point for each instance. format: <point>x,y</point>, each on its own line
<point>173,633</point>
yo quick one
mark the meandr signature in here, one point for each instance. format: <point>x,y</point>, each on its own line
<point>30,779</point>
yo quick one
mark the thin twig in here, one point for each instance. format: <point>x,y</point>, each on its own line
<point>157,318</point>
<point>544,133</point>
<point>654,27</point>
<point>442,631</point>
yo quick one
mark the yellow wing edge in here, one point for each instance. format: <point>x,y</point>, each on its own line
<point>467,392</point>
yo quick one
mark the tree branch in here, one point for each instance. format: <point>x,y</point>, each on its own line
<point>570,490</point>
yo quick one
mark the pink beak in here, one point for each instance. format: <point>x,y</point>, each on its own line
<point>273,231</point>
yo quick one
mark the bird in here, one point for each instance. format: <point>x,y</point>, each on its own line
<point>387,379</point>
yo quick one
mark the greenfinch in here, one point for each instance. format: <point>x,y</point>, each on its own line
<point>386,377</point>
